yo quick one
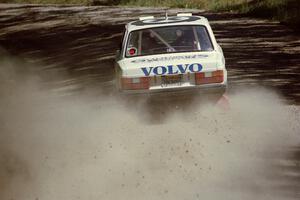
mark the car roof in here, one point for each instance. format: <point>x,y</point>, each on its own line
<point>180,19</point>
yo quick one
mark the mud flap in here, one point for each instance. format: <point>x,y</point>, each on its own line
<point>224,103</point>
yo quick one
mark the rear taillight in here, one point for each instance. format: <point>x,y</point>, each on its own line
<point>209,77</point>
<point>135,83</point>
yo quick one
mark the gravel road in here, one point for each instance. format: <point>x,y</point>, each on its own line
<point>63,135</point>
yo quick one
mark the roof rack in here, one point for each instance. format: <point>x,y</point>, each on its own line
<point>184,14</point>
<point>146,17</point>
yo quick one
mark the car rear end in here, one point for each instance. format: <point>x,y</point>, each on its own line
<point>178,59</point>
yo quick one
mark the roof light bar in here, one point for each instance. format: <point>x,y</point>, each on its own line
<point>146,17</point>
<point>184,14</point>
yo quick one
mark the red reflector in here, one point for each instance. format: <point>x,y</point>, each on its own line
<point>217,77</point>
<point>135,83</point>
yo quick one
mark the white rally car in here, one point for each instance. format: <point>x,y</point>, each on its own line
<point>170,54</point>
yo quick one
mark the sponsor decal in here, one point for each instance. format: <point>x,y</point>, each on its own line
<point>172,69</point>
<point>168,58</point>
<point>132,51</point>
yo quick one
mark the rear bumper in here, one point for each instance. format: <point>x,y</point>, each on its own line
<point>203,90</point>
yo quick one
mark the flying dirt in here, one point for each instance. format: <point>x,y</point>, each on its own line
<point>65,135</point>
<point>88,146</point>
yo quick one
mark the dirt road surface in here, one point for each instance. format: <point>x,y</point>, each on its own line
<point>57,149</point>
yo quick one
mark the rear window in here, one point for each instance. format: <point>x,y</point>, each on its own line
<point>169,39</point>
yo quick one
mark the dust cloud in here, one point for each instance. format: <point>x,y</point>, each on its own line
<point>98,147</point>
